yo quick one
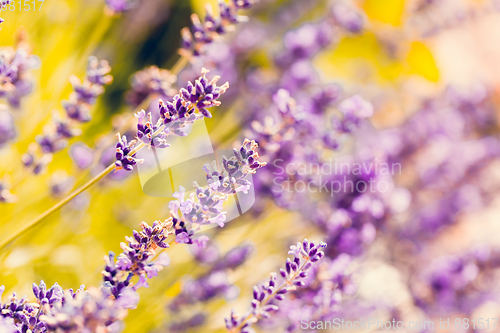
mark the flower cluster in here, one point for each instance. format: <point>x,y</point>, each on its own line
<point>137,258</point>
<point>347,17</point>
<point>319,299</point>
<point>267,295</point>
<point>450,283</point>
<point>204,206</point>
<point>15,67</point>
<point>77,108</point>
<point>25,315</point>
<point>150,81</point>
<point>292,133</point>
<point>205,32</point>
<point>174,117</point>
<point>86,312</point>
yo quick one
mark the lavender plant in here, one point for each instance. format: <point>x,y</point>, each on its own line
<point>77,110</point>
<point>205,32</point>
<point>103,309</point>
<point>189,105</point>
<point>15,67</point>
<point>267,295</point>
<point>448,147</point>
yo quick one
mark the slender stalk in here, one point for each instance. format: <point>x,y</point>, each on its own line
<point>264,302</point>
<point>181,62</point>
<point>56,207</point>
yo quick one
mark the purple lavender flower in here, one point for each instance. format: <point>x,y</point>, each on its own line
<point>77,109</point>
<point>174,116</point>
<point>150,81</point>
<point>319,299</point>
<point>267,295</point>
<point>205,32</point>
<point>7,325</point>
<point>304,42</point>
<point>26,315</point>
<point>85,93</point>
<point>86,312</point>
<point>190,214</point>
<point>136,258</point>
<point>449,284</point>
<point>209,286</point>
<point>82,155</point>
<point>347,17</point>
<point>234,258</point>
<point>123,149</point>
<point>15,66</point>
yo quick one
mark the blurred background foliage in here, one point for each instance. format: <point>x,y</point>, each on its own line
<point>68,247</point>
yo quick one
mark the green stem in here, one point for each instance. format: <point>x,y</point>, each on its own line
<point>57,206</point>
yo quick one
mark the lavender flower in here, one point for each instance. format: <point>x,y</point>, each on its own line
<point>85,312</point>
<point>15,66</point>
<point>85,93</point>
<point>205,32</point>
<point>449,284</point>
<point>266,296</point>
<point>190,214</point>
<point>136,258</point>
<point>211,285</point>
<point>347,17</point>
<point>319,299</point>
<point>123,149</point>
<point>26,315</point>
<point>77,109</point>
<point>150,81</point>
<point>174,116</point>
<point>60,183</point>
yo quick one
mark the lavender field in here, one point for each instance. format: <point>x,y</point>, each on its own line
<point>249,166</point>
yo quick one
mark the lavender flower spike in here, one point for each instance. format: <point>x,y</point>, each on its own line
<point>137,258</point>
<point>174,116</point>
<point>204,207</point>
<point>267,295</point>
<point>212,27</point>
<point>77,108</point>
